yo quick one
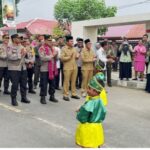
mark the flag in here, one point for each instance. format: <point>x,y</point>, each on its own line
<point>9,12</point>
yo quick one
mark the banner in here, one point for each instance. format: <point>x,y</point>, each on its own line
<point>9,12</point>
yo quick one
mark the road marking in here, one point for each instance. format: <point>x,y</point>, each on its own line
<point>10,108</point>
<point>54,125</point>
<point>37,118</point>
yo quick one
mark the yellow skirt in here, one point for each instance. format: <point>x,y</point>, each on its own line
<point>89,135</point>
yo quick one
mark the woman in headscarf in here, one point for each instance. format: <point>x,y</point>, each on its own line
<point>125,62</point>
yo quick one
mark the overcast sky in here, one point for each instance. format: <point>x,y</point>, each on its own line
<point>29,9</point>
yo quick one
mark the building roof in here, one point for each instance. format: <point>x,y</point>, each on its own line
<point>35,26</point>
<point>137,31</point>
<point>129,31</point>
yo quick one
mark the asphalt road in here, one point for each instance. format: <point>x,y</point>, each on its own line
<point>127,123</point>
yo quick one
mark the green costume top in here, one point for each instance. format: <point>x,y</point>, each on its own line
<point>93,111</point>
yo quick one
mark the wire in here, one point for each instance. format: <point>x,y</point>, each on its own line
<point>134,4</point>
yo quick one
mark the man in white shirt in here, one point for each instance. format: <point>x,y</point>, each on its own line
<point>101,54</point>
<point>57,49</point>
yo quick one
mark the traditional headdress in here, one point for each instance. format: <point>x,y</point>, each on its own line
<point>99,65</point>
<point>97,82</point>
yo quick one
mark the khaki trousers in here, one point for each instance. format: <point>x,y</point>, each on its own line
<point>86,77</point>
<point>70,76</point>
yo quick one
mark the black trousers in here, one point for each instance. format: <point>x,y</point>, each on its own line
<point>18,78</point>
<point>37,71</point>
<point>4,74</point>
<point>79,78</point>
<point>148,83</point>
<point>62,73</point>
<point>109,70</point>
<point>57,79</point>
<point>44,82</point>
<point>30,72</point>
<point>115,65</point>
<point>125,70</point>
<point>146,66</point>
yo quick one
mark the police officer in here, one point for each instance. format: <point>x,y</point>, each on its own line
<point>17,69</point>
<point>47,71</point>
<point>68,57</point>
<point>3,63</point>
<point>88,58</point>
<point>29,60</point>
<point>38,43</point>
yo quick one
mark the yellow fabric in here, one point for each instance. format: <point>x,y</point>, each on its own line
<point>103,97</point>
<point>33,52</point>
<point>89,135</point>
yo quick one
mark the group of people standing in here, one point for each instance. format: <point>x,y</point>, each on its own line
<point>136,57</point>
<point>44,58</point>
<point>41,61</point>
<point>126,57</point>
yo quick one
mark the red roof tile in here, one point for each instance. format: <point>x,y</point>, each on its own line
<point>136,31</point>
<point>35,26</point>
<point>129,31</point>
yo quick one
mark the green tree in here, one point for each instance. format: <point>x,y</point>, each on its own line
<point>77,10</point>
<point>1,23</point>
<point>57,32</point>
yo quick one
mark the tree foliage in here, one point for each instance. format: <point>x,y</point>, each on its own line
<point>77,10</point>
<point>57,32</point>
<point>1,23</point>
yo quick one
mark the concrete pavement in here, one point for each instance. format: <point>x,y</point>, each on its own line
<point>53,125</point>
<point>128,84</point>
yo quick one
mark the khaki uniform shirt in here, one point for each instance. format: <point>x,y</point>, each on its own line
<point>44,57</point>
<point>16,62</point>
<point>30,57</point>
<point>3,55</point>
<point>87,59</point>
<point>68,57</point>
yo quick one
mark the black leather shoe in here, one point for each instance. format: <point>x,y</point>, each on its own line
<point>135,79</point>
<point>25,101</point>
<point>43,100</point>
<point>35,87</point>
<point>32,92</point>
<point>14,102</point>
<point>6,92</point>
<point>66,98</point>
<point>57,88</point>
<point>75,97</point>
<point>53,99</point>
